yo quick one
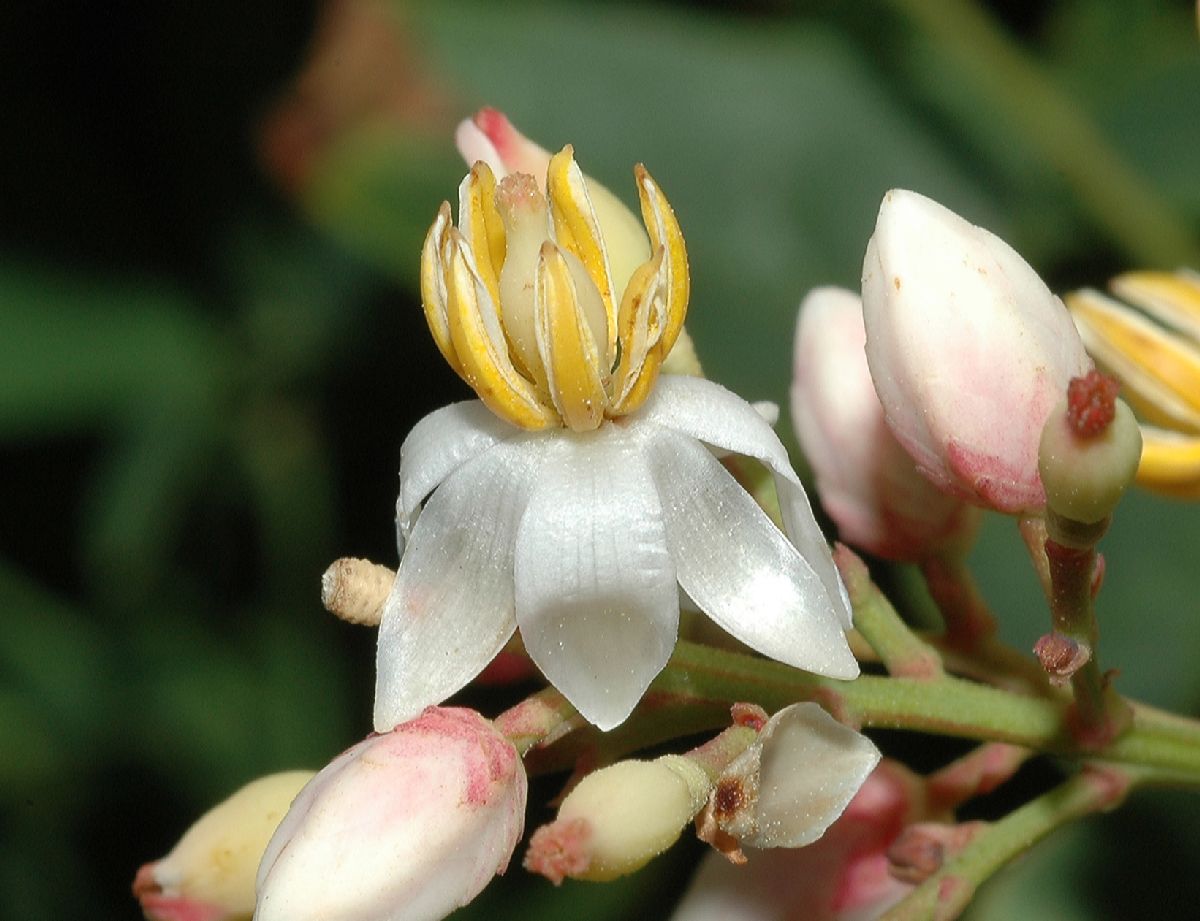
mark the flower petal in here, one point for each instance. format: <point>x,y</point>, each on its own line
<point>451,607</point>
<point>596,595</point>
<point>737,566</point>
<point>709,412</point>
<point>437,446</point>
<point>810,767</point>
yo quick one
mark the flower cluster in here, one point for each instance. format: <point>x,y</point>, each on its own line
<point>584,494</point>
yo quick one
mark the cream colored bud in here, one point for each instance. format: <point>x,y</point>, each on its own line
<point>355,590</point>
<point>619,818</point>
<point>210,872</point>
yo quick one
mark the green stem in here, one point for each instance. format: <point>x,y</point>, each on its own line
<point>969,621</point>
<point>1121,201</point>
<point>946,706</point>
<point>903,652</point>
<point>946,893</point>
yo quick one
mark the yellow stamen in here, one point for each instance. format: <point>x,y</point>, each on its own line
<point>481,226</point>
<point>1170,463</point>
<point>578,232</point>
<point>433,287</point>
<point>568,351</point>
<point>640,326</point>
<point>1161,371</point>
<point>479,342</point>
<point>664,231</point>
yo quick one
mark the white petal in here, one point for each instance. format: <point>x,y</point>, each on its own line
<point>597,601</point>
<point>451,607</point>
<point>736,564</point>
<point>811,766</point>
<point>437,446</point>
<point>708,411</point>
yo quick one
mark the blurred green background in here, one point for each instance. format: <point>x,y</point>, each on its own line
<point>211,349</point>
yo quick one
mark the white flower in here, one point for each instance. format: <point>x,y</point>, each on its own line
<point>576,495</point>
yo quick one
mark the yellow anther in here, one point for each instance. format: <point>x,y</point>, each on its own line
<point>480,344</point>
<point>640,327</point>
<point>433,287</point>
<point>481,225</point>
<point>664,231</point>
<point>578,232</point>
<point>574,372</point>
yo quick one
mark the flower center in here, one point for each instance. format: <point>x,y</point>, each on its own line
<point>520,298</point>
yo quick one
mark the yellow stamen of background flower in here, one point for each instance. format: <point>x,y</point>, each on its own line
<point>1171,297</point>
<point>1158,366</point>
<point>1170,463</point>
<point>1160,371</point>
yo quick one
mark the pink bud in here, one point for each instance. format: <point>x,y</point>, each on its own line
<point>489,136</point>
<point>409,824</point>
<point>968,349</point>
<point>867,483</point>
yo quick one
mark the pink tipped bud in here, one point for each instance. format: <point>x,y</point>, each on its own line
<point>968,349</point>
<point>867,482</point>
<point>209,874</point>
<point>412,823</point>
<point>489,136</point>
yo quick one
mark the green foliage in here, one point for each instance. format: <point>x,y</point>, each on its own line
<point>186,449</point>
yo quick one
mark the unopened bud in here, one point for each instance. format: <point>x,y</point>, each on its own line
<point>1089,451</point>
<point>618,818</point>
<point>408,824</point>
<point>209,874</point>
<point>1061,656</point>
<point>355,590</point>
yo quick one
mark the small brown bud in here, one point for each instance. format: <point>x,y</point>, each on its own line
<point>1061,656</point>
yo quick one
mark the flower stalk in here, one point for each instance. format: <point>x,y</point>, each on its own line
<point>946,893</point>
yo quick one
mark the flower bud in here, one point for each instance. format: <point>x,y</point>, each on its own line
<point>408,824</point>
<point>209,874</point>
<point>1086,463</point>
<point>968,349</point>
<point>618,818</point>
<point>491,137</point>
<point>791,783</point>
<point>867,482</point>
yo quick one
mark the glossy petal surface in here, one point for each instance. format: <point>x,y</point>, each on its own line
<point>737,566</point>
<point>714,415</point>
<point>451,607</point>
<point>437,446</point>
<point>595,587</point>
